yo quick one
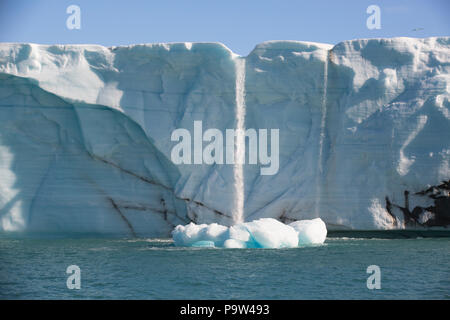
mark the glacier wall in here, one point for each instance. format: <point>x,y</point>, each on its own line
<point>85,134</point>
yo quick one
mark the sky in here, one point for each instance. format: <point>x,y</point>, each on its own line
<point>240,25</point>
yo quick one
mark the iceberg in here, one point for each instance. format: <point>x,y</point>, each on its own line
<point>364,139</point>
<point>261,233</point>
<point>310,231</point>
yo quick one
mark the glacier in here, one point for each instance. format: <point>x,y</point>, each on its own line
<point>364,135</point>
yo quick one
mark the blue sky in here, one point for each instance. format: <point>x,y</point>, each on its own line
<point>238,24</point>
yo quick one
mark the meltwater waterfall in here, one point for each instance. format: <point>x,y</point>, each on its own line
<point>238,169</point>
<point>323,111</point>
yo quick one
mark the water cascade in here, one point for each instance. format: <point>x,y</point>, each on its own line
<point>323,110</point>
<point>238,169</point>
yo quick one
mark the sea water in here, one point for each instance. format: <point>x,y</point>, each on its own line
<point>156,269</point>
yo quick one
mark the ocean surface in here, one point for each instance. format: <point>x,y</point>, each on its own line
<point>156,269</point>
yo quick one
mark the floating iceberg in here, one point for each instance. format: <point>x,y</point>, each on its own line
<point>261,233</point>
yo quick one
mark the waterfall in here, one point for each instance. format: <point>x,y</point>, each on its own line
<point>323,110</point>
<point>238,169</point>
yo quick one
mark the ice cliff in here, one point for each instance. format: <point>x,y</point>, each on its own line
<point>364,129</point>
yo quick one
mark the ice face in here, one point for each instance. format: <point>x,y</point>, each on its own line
<point>85,135</point>
<point>261,233</point>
